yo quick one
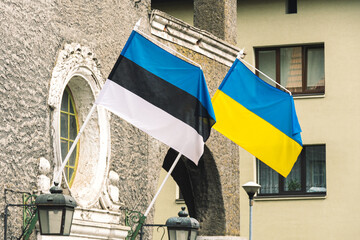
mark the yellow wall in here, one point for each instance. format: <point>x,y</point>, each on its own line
<point>332,119</point>
<point>165,205</point>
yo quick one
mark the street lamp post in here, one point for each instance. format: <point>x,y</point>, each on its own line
<point>182,227</point>
<point>251,188</point>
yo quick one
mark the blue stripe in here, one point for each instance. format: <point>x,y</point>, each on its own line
<point>266,101</point>
<point>168,67</point>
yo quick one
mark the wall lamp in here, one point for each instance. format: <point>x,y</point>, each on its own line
<point>182,227</point>
<point>55,213</point>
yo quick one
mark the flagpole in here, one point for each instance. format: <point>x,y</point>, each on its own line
<point>163,183</point>
<point>241,56</point>
<point>143,217</point>
<point>57,176</point>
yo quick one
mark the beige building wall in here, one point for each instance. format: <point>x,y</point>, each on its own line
<point>166,206</point>
<point>332,119</point>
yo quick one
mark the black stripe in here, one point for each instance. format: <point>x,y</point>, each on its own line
<point>162,94</point>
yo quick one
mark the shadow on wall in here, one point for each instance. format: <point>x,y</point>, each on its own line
<point>201,189</point>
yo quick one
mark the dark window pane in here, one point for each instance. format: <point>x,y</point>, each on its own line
<point>64,149</point>
<point>71,106</point>
<point>71,173</point>
<point>315,169</point>
<point>291,6</point>
<point>66,170</point>
<point>267,64</point>
<point>315,69</point>
<point>64,102</point>
<point>73,127</point>
<point>64,125</point>
<point>181,197</point>
<point>72,158</point>
<point>290,68</point>
<point>268,179</point>
<point>293,181</point>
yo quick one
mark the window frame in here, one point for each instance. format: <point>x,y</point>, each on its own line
<point>179,196</point>
<point>70,101</point>
<point>281,180</point>
<point>304,61</point>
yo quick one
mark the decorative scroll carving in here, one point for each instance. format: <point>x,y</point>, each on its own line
<point>71,59</point>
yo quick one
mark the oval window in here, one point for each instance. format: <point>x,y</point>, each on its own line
<point>69,129</point>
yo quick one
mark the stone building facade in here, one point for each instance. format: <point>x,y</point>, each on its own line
<point>48,46</point>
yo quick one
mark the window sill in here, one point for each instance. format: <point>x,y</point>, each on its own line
<point>180,201</point>
<point>290,197</point>
<point>309,96</point>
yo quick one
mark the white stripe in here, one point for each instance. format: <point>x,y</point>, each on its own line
<point>152,120</point>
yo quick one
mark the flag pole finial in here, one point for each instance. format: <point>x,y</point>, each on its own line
<point>241,54</point>
<point>137,25</point>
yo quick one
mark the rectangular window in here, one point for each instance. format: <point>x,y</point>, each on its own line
<point>179,195</point>
<point>308,176</point>
<point>300,69</point>
<point>291,6</point>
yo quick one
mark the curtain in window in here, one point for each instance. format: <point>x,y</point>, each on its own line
<point>267,64</point>
<point>315,169</point>
<point>315,68</point>
<point>309,169</point>
<point>293,181</point>
<point>290,68</point>
<point>268,179</point>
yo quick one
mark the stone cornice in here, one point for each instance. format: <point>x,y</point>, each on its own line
<point>176,31</point>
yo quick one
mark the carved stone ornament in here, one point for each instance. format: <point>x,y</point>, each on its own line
<point>78,68</point>
<point>71,59</point>
<point>43,182</point>
<point>110,198</point>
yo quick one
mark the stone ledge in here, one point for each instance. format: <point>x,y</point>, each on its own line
<point>220,238</point>
<point>176,31</point>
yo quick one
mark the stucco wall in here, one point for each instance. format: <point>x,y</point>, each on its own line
<point>31,35</point>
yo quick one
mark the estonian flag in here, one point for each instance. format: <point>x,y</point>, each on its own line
<point>160,94</point>
<point>258,117</point>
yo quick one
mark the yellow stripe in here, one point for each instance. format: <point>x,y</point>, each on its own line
<point>254,134</point>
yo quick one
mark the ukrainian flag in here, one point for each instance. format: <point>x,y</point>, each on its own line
<point>258,117</point>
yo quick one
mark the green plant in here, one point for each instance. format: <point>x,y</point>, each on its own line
<point>294,185</point>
